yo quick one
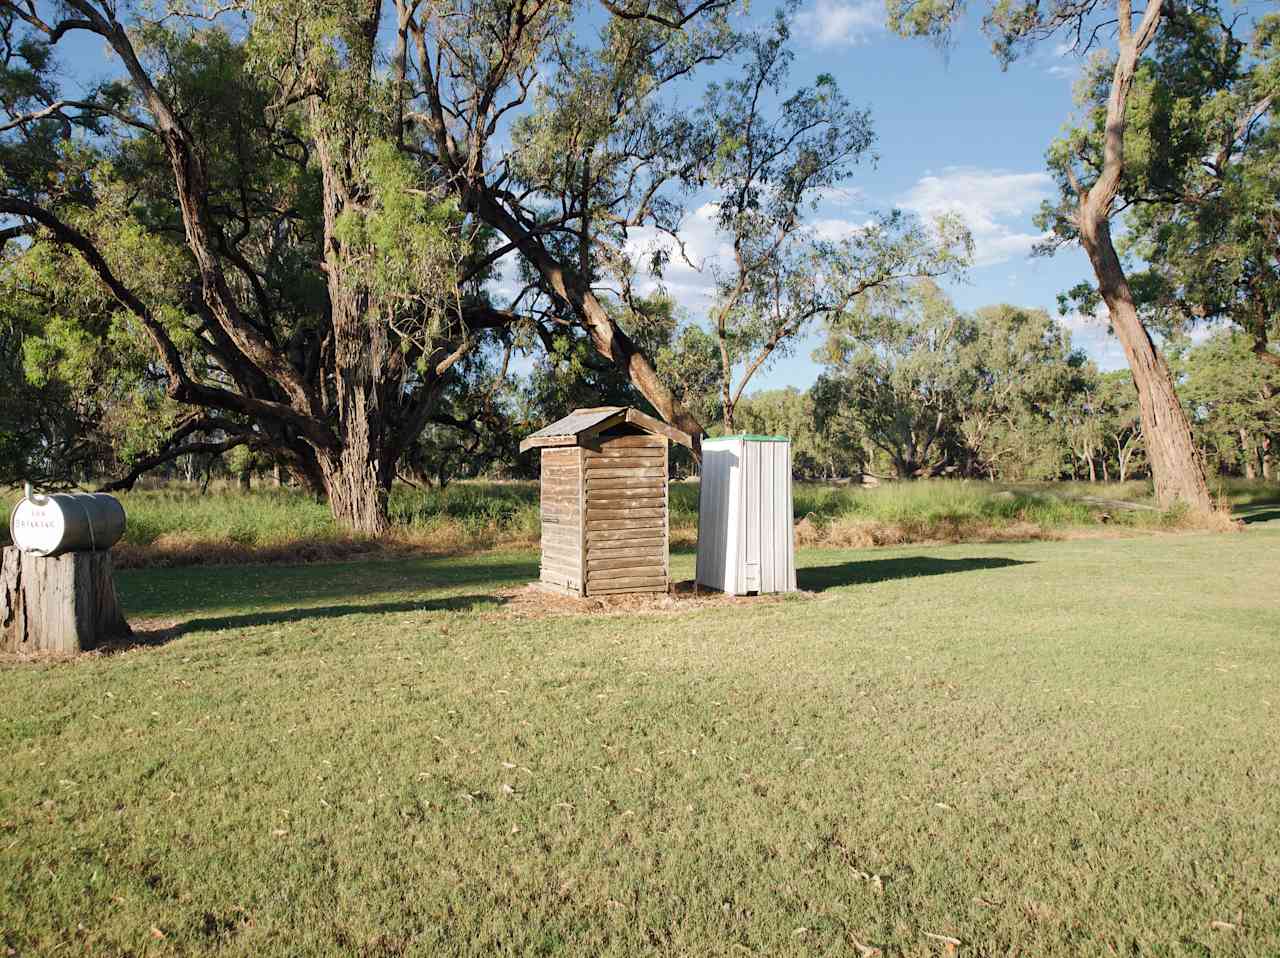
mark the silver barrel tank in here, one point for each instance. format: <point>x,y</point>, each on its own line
<point>61,522</point>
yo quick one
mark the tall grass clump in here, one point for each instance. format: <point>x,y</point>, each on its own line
<point>179,524</point>
<point>477,512</point>
<point>931,510</point>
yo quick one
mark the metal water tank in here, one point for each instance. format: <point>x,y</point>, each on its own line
<point>61,522</point>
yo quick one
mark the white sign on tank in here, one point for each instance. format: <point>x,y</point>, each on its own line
<point>37,527</point>
<point>66,522</point>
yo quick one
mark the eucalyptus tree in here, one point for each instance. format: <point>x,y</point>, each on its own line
<point>295,273</point>
<point>1090,164</point>
<point>1023,366</point>
<point>1233,401</point>
<point>1121,424</point>
<point>300,207</point>
<point>772,166</point>
<point>555,135</point>
<point>894,362</point>
<point>1204,191</point>
<point>823,446</point>
<point>79,395</point>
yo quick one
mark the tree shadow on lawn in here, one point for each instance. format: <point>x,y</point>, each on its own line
<point>1252,515</point>
<point>822,577</point>
<point>162,634</point>
<point>179,592</point>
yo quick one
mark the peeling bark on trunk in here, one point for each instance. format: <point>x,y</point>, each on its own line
<point>356,477</point>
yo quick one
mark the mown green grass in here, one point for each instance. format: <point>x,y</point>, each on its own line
<point>1065,748</point>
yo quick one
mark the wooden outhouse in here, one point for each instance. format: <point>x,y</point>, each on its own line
<point>604,501</point>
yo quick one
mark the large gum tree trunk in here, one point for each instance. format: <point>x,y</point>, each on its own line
<point>608,339</point>
<point>356,478</point>
<point>1176,468</point>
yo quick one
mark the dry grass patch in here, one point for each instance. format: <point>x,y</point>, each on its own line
<point>874,533</point>
<point>177,550</point>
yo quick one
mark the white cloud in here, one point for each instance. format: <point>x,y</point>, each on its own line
<point>842,197</point>
<point>1061,62</point>
<point>835,230</point>
<point>1093,335</point>
<point>687,276</point>
<point>691,282</point>
<point>833,23</point>
<point>996,205</point>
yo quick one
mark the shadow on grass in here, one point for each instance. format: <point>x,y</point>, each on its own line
<point>1250,516</point>
<point>161,593</point>
<point>822,577</point>
<point>163,635</point>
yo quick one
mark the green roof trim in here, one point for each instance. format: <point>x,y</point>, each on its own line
<point>748,437</point>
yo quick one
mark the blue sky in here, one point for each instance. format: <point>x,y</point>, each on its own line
<point>955,133</point>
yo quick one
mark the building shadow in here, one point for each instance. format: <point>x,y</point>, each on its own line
<point>864,572</point>
<point>163,634</point>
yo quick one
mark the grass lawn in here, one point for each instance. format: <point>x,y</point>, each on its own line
<point>1051,748</point>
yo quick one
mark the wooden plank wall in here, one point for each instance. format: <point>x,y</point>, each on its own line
<point>562,529</point>
<point>626,512</point>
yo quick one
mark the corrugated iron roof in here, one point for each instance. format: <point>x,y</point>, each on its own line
<point>572,425</point>
<point>565,432</point>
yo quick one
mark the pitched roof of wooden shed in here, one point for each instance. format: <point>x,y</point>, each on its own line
<point>582,424</point>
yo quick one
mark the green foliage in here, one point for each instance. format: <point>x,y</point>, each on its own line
<point>894,362</point>
<point>1000,393</point>
<point>767,173</point>
<point>1233,402</point>
<point>1201,172</point>
<point>84,393</point>
<point>821,446</point>
<point>404,248</point>
<point>1207,170</point>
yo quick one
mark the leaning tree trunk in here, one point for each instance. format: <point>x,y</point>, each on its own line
<point>1176,467</point>
<point>65,604</point>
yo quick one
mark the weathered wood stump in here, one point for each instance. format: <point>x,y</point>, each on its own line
<point>65,604</point>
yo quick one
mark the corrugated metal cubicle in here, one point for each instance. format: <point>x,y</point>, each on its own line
<point>746,542</point>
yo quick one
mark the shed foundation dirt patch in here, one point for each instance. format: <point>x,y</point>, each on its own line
<point>535,601</point>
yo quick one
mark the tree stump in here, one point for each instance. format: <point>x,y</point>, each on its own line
<point>66,604</point>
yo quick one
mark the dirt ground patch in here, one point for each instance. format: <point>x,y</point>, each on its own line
<point>535,601</point>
